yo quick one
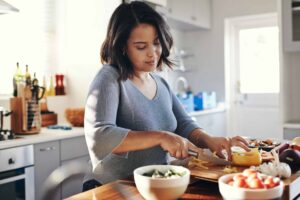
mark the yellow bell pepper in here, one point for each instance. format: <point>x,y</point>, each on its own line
<point>247,158</point>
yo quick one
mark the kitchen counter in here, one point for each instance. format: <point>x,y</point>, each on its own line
<point>46,135</point>
<point>126,189</point>
<point>197,189</point>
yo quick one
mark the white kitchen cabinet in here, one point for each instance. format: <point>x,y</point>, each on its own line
<point>290,24</point>
<point>189,14</point>
<point>51,155</point>
<point>73,149</point>
<point>46,159</point>
<point>290,70</point>
<point>213,123</point>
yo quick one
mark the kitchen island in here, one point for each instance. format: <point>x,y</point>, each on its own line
<point>197,189</point>
<point>126,189</point>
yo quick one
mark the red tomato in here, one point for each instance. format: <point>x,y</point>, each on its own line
<point>247,172</point>
<point>241,183</point>
<point>269,182</point>
<point>255,183</point>
<point>238,176</point>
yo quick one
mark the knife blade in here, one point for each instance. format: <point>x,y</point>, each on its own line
<point>208,156</point>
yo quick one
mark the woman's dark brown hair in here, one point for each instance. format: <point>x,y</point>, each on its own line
<point>124,19</point>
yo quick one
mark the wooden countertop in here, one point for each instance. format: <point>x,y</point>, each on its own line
<point>125,190</point>
<point>197,189</point>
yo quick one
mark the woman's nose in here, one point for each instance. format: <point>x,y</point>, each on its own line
<point>151,52</point>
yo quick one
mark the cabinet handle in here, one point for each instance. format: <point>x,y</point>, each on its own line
<point>48,148</point>
<point>11,161</point>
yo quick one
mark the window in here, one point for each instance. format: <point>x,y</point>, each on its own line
<point>259,60</point>
<point>24,38</point>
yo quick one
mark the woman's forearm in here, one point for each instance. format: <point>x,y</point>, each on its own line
<point>138,140</point>
<point>199,137</point>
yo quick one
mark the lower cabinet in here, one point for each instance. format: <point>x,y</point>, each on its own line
<point>74,184</point>
<point>52,155</point>
<point>46,160</point>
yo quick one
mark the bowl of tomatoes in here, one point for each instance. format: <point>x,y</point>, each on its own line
<point>250,184</point>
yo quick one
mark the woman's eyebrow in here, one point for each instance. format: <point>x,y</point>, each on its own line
<point>139,42</point>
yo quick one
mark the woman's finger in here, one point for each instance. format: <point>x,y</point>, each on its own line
<point>241,142</point>
<point>242,145</point>
<point>178,154</point>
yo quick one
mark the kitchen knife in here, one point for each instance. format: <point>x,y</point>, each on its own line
<point>207,155</point>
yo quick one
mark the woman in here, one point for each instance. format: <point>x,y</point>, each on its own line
<point>132,118</point>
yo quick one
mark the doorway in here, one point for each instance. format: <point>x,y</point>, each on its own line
<point>252,76</point>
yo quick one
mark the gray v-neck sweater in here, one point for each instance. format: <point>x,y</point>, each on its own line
<point>113,108</point>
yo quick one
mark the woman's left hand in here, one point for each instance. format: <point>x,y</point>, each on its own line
<point>221,144</point>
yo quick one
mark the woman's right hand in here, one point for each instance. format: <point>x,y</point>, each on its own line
<point>176,145</point>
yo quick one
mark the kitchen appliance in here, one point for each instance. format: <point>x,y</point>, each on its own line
<point>17,173</point>
<point>5,134</point>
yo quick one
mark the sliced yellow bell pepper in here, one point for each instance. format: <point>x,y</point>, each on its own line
<point>247,158</point>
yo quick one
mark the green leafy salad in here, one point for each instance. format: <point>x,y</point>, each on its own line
<point>168,174</point>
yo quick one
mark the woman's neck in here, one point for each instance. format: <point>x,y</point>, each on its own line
<point>141,77</point>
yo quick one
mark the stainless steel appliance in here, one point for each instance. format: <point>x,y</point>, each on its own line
<point>5,134</point>
<point>17,173</point>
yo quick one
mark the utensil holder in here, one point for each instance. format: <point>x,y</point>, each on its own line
<point>26,116</point>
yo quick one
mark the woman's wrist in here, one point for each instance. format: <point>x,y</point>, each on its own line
<point>200,138</point>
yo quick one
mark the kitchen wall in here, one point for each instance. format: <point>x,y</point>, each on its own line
<point>82,31</point>
<point>208,45</point>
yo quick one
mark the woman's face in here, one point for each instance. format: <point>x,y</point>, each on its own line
<point>143,48</point>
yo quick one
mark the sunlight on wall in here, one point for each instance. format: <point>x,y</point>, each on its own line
<point>22,40</point>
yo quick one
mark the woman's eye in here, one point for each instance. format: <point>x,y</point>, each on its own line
<point>140,47</point>
<point>157,43</point>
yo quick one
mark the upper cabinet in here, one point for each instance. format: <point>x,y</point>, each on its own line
<point>188,14</point>
<point>291,24</point>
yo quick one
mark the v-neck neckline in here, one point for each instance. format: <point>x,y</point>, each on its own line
<point>141,93</point>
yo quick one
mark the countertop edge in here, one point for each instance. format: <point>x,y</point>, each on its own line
<point>208,111</point>
<point>46,135</point>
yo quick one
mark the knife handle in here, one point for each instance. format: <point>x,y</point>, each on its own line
<point>193,153</point>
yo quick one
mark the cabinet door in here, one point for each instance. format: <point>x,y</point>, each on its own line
<point>290,16</point>
<point>189,14</point>
<point>46,160</point>
<point>73,185</point>
<point>73,148</point>
<point>201,13</point>
<point>180,9</point>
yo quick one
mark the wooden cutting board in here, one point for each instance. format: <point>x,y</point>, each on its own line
<point>213,173</point>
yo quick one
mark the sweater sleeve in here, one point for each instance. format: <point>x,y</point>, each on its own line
<point>101,132</point>
<point>185,124</point>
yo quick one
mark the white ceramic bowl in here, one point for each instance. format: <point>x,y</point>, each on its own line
<point>161,188</point>
<point>233,193</point>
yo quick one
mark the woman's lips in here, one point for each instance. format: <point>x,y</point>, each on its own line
<point>153,62</point>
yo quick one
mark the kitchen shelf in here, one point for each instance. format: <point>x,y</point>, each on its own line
<point>291,125</point>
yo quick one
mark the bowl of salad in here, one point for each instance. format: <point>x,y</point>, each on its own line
<point>157,182</point>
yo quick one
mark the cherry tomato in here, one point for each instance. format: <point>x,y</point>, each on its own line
<point>269,182</point>
<point>247,172</point>
<point>255,183</point>
<point>238,176</point>
<point>241,183</point>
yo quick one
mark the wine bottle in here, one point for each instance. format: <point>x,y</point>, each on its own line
<point>16,80</point>
<point>27,77</point>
